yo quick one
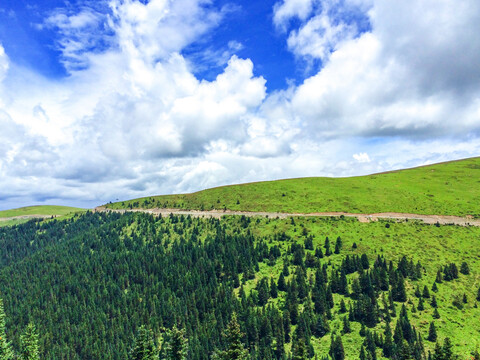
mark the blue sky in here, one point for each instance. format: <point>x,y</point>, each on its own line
<point>106,100</point>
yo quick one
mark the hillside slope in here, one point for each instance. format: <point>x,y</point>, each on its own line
<point>89,282</point>
<point>23,214</point>
<point>445,189</point>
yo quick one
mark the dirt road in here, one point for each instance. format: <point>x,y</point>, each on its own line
<point>428,219</point>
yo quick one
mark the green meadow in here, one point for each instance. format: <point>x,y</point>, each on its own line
<point>44,210</point>
<point>451,188</point>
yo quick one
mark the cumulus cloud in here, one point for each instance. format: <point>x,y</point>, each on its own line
<point>284,11</point>
<point>325,24</point>
<point>399,79</point>
<point>362,157</point>
<point>133,120</point>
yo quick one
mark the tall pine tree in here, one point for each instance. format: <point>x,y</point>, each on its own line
<point>144,347</point>
<point>29,343</point>
<point>235,349</point>
<point>6,352</point>
<point>176,345</point>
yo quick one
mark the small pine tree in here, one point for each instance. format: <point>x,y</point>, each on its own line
<point>176,345</point>
<point>436,314</point>
<point>282,286</point>
<point>464,268</point>
<point>235,349</point>
<point>417,292</point>
<point>447,349</point>
<point>273,289</point>
<point>29,343</point>
<point>363,331</point>
<point>328,252</point>
<point>426,293</point>
<point>337,352</point>
<point>434,287</point>
<point>434,302</point>
<point>346,325</point>
<point>432,333</point>
<point>338,245</point>
<point>362,354</point>
<point>420,306</point>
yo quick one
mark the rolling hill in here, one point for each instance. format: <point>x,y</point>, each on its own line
<point>451,188</point>
<point>23,214</point>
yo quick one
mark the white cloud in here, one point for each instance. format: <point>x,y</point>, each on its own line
<point>133,120</point>
<point>319,36</point>
<point>362,157</point>
<point>3,63</point>
<point>325,24</point>
<point>288,9</point>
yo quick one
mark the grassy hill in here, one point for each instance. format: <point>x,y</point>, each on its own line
<point>451,188</point>
<point>21,215</point>
<point>44,210</point>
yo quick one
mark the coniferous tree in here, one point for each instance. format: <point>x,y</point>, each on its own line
<point>426,293</point>
<point>321,327</point>
<point>273,289</point>
<point>364,262</point>
<point>362,354</point>
<point>464,269</point>
<point>29,343</point>
<point>338,245</point>
<point>327,247</point>
<point>337,351</point>
<point>417,292</point>
<point>432,333</point>
<point>281,282</point>
<point>6,352</point>
<point>346,325</point>
<point>388,345</point>
<point>176,344</point>
<point>434,302</point>
<point>436,314</point>
<point>144,347</point>
<point>299,350</point>
<point>420,306</point>
<point>434,287</point>
<point>235,348</point>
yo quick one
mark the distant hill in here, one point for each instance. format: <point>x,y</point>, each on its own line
<point>23,214</point>
<point>451,188</point>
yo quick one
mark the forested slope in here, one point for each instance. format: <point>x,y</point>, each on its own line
<point>297,285</point>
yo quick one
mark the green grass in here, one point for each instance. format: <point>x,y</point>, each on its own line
<point>451,188</point>
<point>44,210</point>
<point>12,222</point>
<point>433,246</point>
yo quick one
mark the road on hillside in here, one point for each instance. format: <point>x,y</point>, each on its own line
<point>427,219</point>
<point>27,217</point>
